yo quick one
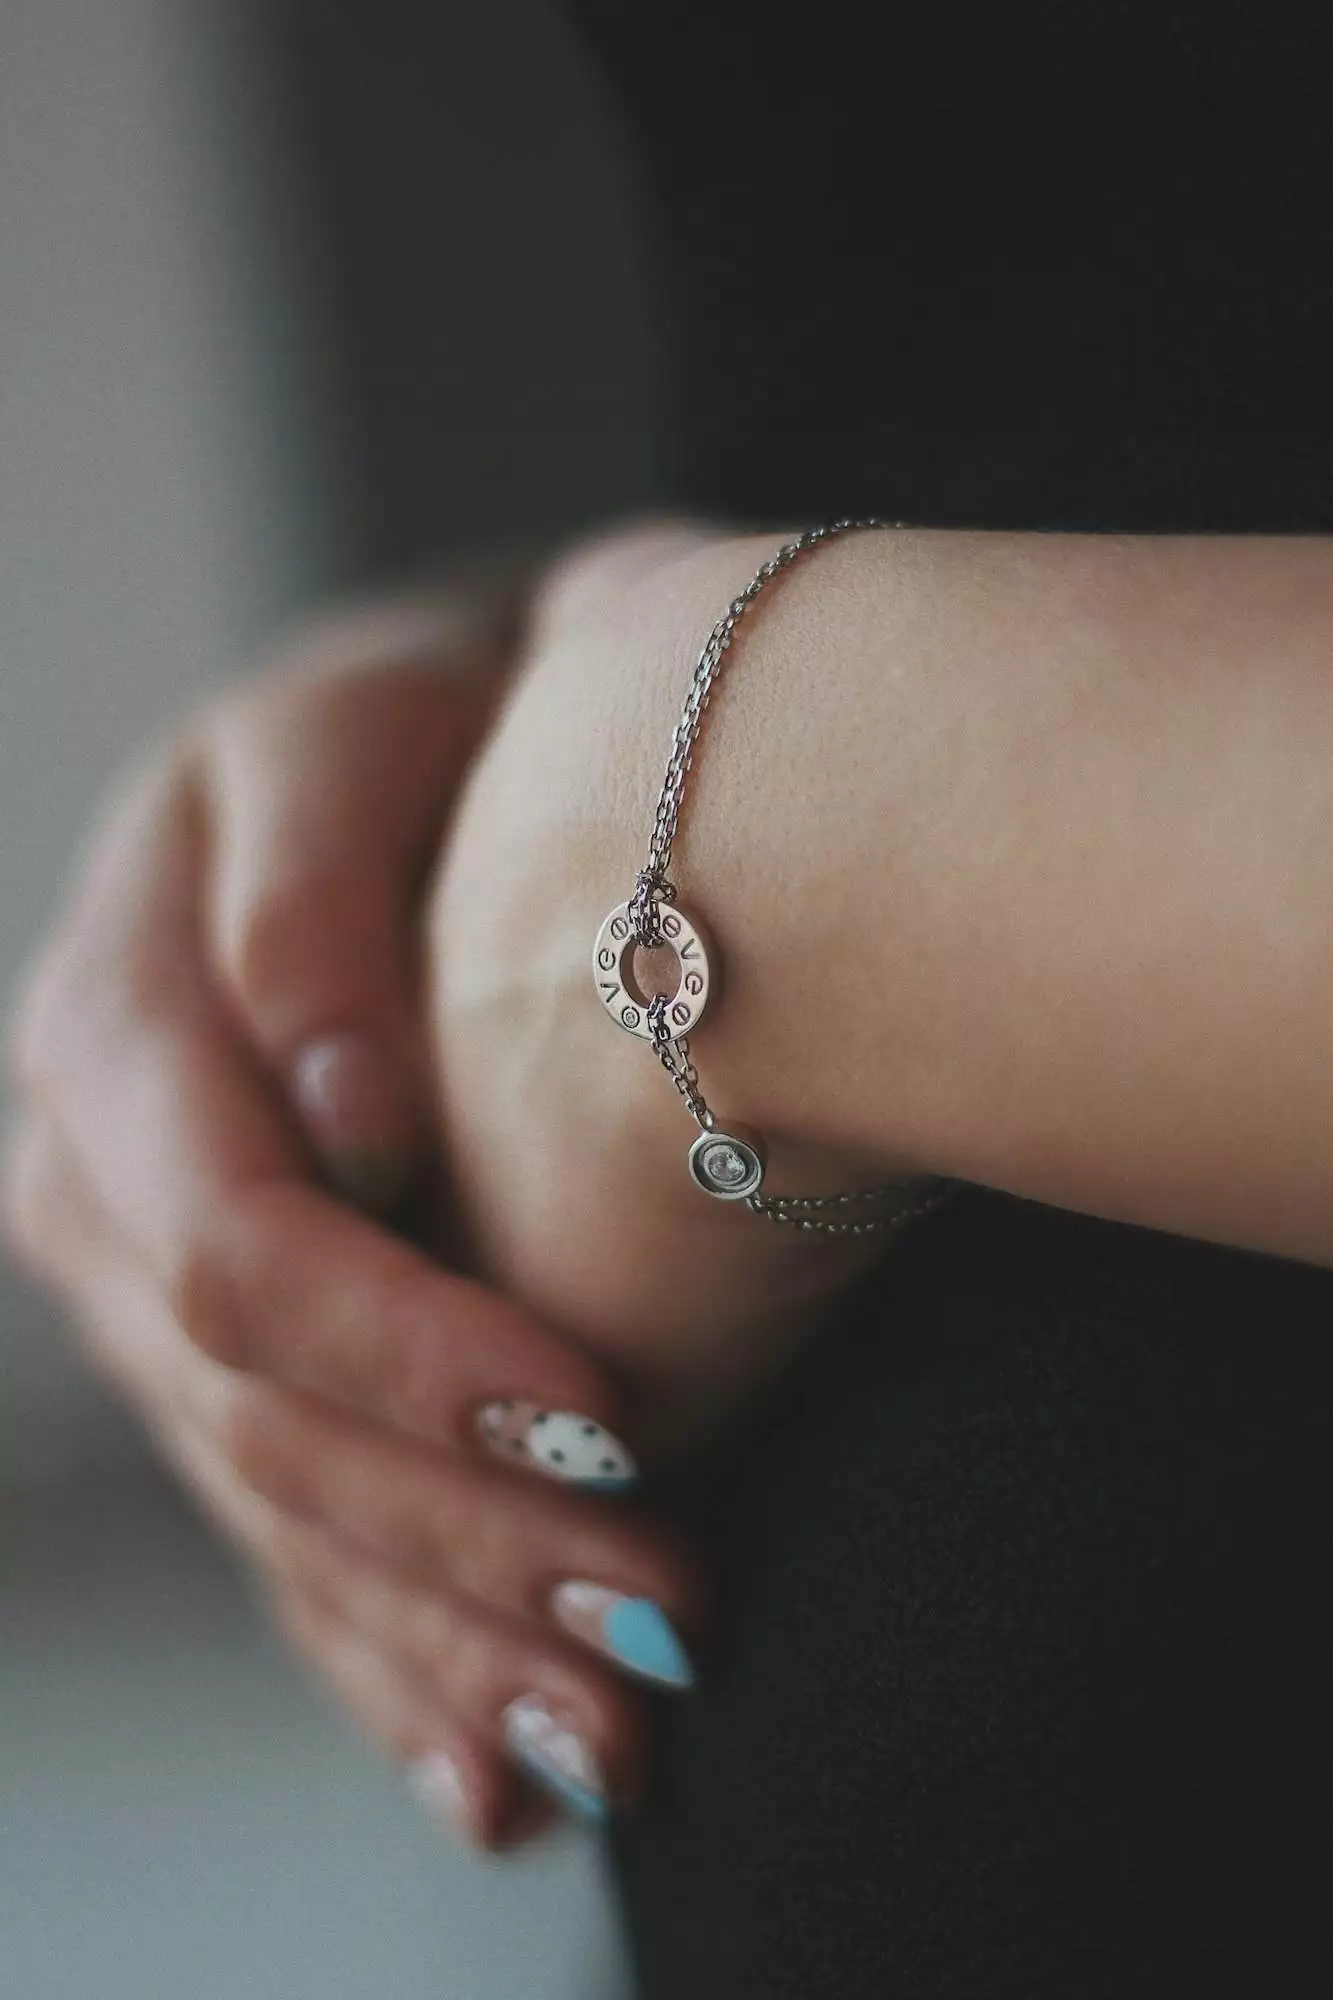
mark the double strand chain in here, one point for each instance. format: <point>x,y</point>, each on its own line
<point>728,1165</point>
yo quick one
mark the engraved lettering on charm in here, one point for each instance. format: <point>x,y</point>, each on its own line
<point>620,992</point>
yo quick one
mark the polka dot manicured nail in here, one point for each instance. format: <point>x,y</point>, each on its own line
<point>560,1443</point>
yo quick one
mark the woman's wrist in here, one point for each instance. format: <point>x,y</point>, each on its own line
<point>1013,847</point>
<point>783,878</point>
<point>1028,880</point>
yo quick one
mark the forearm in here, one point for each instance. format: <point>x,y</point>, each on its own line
<point>1019,849</point>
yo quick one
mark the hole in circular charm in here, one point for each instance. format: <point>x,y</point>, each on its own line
<point>648,973</point>
<point>617,978</point>
<point>726,1166</point>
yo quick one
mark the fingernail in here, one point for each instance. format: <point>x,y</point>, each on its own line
<point>632,1630</point>
<point>438,1784</point>
<point>556,1756</point>
<point>560,1443</point>
<point>351,1100</point>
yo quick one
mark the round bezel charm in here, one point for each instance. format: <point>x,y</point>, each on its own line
<point>727,1165</point>
<point>617,989</point>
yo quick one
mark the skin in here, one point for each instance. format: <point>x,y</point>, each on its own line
<point>311,1375</point>
<point>1064,934</point>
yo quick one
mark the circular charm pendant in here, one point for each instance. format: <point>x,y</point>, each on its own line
<point>618,990</point>
<point>727,1165</point>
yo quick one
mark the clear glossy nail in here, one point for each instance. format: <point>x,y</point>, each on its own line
<point>633,1631</point>
<point>560,1443</point>
<point>351,1099</point>
<point>438,1784</point>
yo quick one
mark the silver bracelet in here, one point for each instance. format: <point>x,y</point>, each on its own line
<point>728,1165</point>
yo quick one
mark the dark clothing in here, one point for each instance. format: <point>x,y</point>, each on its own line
<point>1021,1684</point>
<point>1045,271</point>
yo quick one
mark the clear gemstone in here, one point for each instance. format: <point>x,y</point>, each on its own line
<point>726,1166</point>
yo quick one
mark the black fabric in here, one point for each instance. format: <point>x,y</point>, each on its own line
<point>1020,1676</point>
<point>1044,266</point>
<point>1021,1684</point>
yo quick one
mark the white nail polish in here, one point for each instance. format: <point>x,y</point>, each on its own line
<point>438,1784</point>
<point>560,1443</point>
<point>556,1756</point>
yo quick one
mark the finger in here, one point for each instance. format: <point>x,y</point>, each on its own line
<point>559,1562</point>
<point>196,1163</point>
<point>64,1236</point>
<point>61,1234</point>
<point>184,1398</point>
<point>327,796</point>
<point>554,1561</point>
<point>29,1190</point>
<point>464,1783</point>
<point>122,1041</point>
<point>568,1726</point>
<point>188,1404</point>
<point>285,1283</point>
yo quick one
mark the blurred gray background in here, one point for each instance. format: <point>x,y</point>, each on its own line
<point>294,299</point>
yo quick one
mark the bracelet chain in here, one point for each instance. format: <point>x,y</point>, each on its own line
<point>868,1211</point>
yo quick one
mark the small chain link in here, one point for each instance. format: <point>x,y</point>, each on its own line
<point>874,1211</point>
<point>673,1052</point>
<point>650,892</point>
<point>913,1199</point>
<point>652,882</point>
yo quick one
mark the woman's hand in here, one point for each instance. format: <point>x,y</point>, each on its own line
<point>566,1140</point>
<point>228,1004</point>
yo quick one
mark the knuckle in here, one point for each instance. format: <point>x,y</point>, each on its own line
<point>489,1553</point>
<point>468,1664</point>
<point>269,941</point>
<point>202,1300</point>
<point>411,1540</point>
<point>157,980</point>
<point>408,1365</point>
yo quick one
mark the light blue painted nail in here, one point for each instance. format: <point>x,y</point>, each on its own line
<point>640,1635</point>
<point>583,1804</point>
